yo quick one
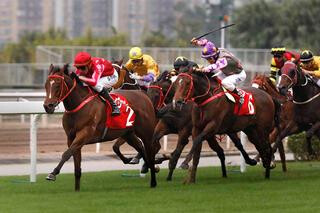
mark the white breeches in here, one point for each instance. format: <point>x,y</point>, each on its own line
<point>230,82</point>
<point>107,81</point>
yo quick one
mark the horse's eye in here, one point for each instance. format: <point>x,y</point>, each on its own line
<point>291,73</point>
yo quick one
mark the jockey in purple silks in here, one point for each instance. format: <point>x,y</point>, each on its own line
<point>224,64</point>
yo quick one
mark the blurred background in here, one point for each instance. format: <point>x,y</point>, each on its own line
<point>35,33</point>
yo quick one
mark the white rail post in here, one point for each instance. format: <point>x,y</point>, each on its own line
<point>33,147</point>
<point>243,165</point>
<point>97,147</point>
<point>165,142</point>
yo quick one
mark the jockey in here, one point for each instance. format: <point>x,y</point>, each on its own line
<point>145,69</point>
<point>97,73</point>
<point>310,64</point>
<point>181,63</point>
<point>280,56</point>
<point>227,67</point>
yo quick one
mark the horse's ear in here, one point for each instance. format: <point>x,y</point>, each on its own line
<point>66,69</point>
<point>51,68</point>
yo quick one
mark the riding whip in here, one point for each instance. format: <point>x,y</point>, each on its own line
<point>215,30</point>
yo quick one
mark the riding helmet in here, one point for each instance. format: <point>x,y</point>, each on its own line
<point>279,50</point>
<point>135,53</point>
<point>82,59</point>
<point>180,61</point>
<point>306,56</point>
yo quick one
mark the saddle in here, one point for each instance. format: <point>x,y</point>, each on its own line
<point>247,108</point>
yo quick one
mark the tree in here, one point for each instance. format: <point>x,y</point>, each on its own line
<point>263,24</point>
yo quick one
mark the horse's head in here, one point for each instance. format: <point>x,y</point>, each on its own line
<point>190,86</point>
<point>58,86</point>
<point>159,90</point>
<point>290,75</point>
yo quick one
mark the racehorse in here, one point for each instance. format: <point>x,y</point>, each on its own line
<point>179,122</point>
<point>85,119</point>
<point>124,81</point>
<point>305,99</point>
<point>215,115</point>
<point>286,115</point>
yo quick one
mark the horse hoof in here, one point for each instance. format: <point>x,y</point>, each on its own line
<point>252,162</point>
<point>184,166</point>
<point>169,178</point>
<point>144,169</point>
<point>51,177</point>
<point>134,161</point>
<point>157,168</point>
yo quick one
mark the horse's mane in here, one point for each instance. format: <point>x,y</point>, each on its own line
<point>263,77</point>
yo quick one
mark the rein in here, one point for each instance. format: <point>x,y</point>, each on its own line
<point>211,98</point>
<point>68,92</point>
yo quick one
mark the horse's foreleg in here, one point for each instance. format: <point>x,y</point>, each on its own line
<point>290,128</point>
<point>116,149</point>
<point>76,145</point>
<point>161,129</point>
<point>235,139</point>
<point>77,168</point>
<point>182,142</point>
<point>193,169</point>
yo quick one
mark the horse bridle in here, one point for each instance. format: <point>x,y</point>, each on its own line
<point>294,81</point>
<point>187,98</point>
<point>63,87</point>
<point>162,97</point>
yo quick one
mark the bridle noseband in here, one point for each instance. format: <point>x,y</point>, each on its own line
<point>188,96</point>
<point>63,87</point>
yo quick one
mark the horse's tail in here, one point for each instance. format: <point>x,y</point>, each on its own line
<point>277,106</point>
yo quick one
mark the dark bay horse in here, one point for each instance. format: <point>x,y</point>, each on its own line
<point>172,121</point>
<point>85,118</point>
<point>215,115</point>
<point>306,101</point>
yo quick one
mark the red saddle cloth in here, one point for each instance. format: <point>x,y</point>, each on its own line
<point>125,119</point>
<point>248,107</point>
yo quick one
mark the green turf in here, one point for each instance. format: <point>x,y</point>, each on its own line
<point>294,191</point>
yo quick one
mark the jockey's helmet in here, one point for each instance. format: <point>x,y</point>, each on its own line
<point>82,59</point>
<point>278,51</point>
<point>135,53</point>
<point>210,51</point>
<point>180,61</point>
<point>306,56</point>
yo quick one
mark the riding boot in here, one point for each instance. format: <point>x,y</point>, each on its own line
<point>115,109</point>
<point>240,94</point>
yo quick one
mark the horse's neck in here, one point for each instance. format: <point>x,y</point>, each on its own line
<point>303,93</point>
<point>274,93</point>
<point>76,97</point>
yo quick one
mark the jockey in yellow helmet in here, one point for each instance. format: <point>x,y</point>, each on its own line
<point>310,64</point>
<point>145,69</point>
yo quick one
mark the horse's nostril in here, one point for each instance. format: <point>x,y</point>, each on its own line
<point>50,105</point>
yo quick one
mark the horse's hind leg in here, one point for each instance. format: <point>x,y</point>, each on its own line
<point>235,139</point>
<point>217,148</point>
<point>260,140</point>
<point>116,149</point>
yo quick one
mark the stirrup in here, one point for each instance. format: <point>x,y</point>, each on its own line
<point>115,111</point>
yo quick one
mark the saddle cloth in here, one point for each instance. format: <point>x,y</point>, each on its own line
<point>247,108</point>
<point>125,119</point>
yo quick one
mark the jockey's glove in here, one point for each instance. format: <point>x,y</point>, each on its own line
<point>273,81</point>
<point>135,76</point>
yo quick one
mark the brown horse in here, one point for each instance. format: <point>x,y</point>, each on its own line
<point>306,101</point>
<point>215,115</point>
<point>85,118</point>
<point>286,115</point>
<point>179,122</point>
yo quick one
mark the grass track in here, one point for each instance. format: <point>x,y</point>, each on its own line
<point>298,190</point>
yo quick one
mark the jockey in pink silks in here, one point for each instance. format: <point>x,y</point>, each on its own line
<point>224,64</point>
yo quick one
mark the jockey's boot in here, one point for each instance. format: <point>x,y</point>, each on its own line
<point>115,109</point>
<point>240,94</point>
